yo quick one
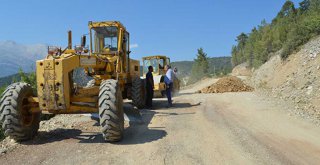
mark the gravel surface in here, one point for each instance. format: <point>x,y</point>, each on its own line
<point>228,128</point>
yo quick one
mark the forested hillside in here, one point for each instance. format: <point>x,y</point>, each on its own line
<point>292,27</point>
<point>215,66</point>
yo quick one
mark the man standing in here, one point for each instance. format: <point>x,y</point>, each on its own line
<point>149,87</point>
<point>168,79</point>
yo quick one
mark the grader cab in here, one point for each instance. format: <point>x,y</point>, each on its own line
<point>158,62</point>
<point>115,77</point>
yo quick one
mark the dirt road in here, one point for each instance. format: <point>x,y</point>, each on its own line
<point>231,128</point>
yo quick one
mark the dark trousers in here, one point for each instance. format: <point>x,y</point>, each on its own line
<point>168,93</point>
<point>149,92</point>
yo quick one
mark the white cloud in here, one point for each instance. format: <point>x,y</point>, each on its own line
<point>132,46</point>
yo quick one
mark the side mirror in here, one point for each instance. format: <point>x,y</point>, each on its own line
<point>83,41</point>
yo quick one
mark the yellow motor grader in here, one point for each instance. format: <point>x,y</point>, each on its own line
<point>158,62</point>
<point>107,61</point>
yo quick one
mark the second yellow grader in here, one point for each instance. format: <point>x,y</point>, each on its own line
<point>158,62</point>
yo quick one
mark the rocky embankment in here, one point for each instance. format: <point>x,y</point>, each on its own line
<point>296,79</point>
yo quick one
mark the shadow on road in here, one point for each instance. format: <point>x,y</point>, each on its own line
<point>187,93</point>
<point>56,135</point>
<point>161,105</point>
<point>136,133</point>
<point>139,132</point>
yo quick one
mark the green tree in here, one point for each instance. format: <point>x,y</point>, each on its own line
<point>202,61</point>
<point>287,9</point>
<point>242,39</point>
<point>200,67</point>
<point>29,78</point>
<point>304,5</point>
<point>235,58</point>
<point>315,6</point>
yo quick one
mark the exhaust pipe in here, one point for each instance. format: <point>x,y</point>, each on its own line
<point>69,39</point>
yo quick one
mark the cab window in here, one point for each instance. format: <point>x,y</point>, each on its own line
<point>106,38</point>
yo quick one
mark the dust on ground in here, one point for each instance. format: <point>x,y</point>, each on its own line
<point>227,84</point>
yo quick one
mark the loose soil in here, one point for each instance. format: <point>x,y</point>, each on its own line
<point>227,84</point>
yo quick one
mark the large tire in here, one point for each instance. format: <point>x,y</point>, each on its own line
<point>16,120</point>
<point>138,93</point>
<point>111,111</point>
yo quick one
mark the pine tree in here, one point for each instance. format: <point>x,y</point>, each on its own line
<point>304,5</point>
<point>202,61</point>
<point>200,66</point>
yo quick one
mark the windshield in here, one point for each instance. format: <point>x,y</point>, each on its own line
<point>161,63</point>
<point>153,63</point>
<point>105,39</point>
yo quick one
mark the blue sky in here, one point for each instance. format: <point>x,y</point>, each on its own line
<point>170,27</point>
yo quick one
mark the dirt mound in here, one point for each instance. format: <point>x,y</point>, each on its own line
<point>227,84</point>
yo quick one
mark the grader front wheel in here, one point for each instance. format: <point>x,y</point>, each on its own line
<point>15,117</point>
<point>111,111</point>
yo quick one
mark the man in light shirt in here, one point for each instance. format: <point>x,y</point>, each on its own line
<point>169,83</point>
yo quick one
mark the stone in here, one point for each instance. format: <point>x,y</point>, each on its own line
<point>3,150</point>
<point>309,90</point>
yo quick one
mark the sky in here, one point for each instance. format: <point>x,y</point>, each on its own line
<point>176,28</point>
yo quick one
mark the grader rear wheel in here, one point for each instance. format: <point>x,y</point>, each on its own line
<point>138,93</point>
<point>111,111</point>
<point>15,117</point>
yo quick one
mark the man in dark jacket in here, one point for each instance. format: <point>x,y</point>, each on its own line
<point>149,87</point>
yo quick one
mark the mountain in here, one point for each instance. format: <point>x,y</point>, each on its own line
<point>9,79</point>
<point>14,56</point>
